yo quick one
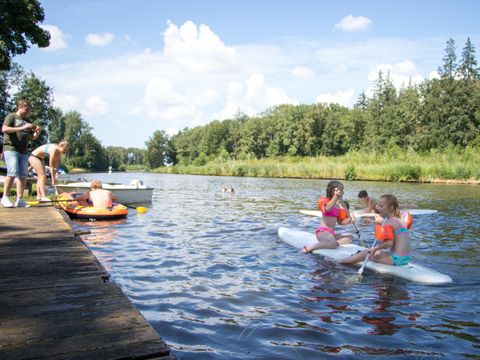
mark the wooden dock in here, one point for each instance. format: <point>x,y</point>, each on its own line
<point>55,298</point>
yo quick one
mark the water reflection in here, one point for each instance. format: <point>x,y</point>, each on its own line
<point>209,272</point>
<point>382,317</point>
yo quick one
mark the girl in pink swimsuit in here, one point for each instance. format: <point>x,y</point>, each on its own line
<point>333,212</point>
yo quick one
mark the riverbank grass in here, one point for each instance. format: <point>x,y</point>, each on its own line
<point>394,166</point>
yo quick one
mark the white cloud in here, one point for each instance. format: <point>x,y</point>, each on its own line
<point>353,23</point>
<point>401,73</point>
<point>253,98</point>
<point>303,72</point>
<point>99,39</point>
<point>58,40</point>
<point>340,97</point>
<point>95,105</point>
<point>433,75</point>
<point>198,49</point>
<point>167,106</point>
<point>159,91</point>
<point>184,85</point>
<point>66,102</point>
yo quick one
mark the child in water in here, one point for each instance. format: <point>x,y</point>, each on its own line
<point>393,235</point>
<point>333,212</point>
<point>367,201</point>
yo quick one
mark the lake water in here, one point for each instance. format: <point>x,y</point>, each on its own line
<point>210,274</point>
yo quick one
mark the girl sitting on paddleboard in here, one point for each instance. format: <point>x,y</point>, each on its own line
<point>333,212</point>
<point>392,236</point>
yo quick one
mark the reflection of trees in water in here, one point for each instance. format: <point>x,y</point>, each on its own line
<point>381,318</point>
<point>337,299</point>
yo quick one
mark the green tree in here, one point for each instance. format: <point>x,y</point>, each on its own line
<point>381,108</point>
<point>18,27</point>
<point>39,95</point>
<point>9,79</point>
<point>406,113</point>
<point>468,63</point>
<point>85,150</point>
<point>56,126</point>
<point>157,147</point>
<point>450,66</point>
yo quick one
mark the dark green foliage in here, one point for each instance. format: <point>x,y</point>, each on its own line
<point>85,149</point>
<point>40,96</point>
<point>18,27</point>
<point>8,80</point>
<point>350,173</point>
<point>450,66</point>
<point>157,148</point>
<point>436,114</point>
<point>468,65</point>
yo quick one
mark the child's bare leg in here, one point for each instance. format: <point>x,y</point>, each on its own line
<point>343,239</point>
<point>325,240</point>
<point>360,256</point>
<point>383,257</point>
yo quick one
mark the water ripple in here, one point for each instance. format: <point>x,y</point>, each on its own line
<point>210,274</point>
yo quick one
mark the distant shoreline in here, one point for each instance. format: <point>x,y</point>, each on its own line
<point>446,168</point>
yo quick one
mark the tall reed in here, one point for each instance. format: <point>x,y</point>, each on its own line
<point>356,165</point>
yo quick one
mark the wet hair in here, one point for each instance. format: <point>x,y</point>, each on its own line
<point>331,188</point>
<point>362,194</point>
<point>96,184</point>
<point>392,204</point>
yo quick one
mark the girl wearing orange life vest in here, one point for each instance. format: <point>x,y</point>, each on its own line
<point>333,212</point>
<point>392,236</point>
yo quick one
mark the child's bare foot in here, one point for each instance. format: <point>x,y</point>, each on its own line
<point>305,250</point>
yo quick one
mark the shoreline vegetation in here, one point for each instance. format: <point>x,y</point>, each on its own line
<point>449,167</point>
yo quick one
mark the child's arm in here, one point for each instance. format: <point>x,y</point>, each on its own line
<point>83,196</point>
<point>383,245</point>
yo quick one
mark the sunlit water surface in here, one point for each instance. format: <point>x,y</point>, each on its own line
<point>208,271</point>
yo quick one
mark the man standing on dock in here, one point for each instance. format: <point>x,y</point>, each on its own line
<point>17,132</point>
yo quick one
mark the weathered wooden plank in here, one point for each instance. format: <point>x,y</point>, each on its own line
<point>54,301</point>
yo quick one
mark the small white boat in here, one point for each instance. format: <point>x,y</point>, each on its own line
<point>133,193</point>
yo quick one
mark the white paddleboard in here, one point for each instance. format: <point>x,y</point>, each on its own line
<point>358,216</point>
<point>413,272</point>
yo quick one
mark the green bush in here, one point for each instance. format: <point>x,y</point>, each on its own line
<point>350,173</point>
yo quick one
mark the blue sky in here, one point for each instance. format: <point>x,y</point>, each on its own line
<point>132,67</point>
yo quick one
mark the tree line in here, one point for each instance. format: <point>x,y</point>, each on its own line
<point>85,151</point>
<point>434,115</point>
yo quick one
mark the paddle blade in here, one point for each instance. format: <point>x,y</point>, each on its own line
<point>355,278</point>
<point>33,202</point>
<point>141,209</point>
